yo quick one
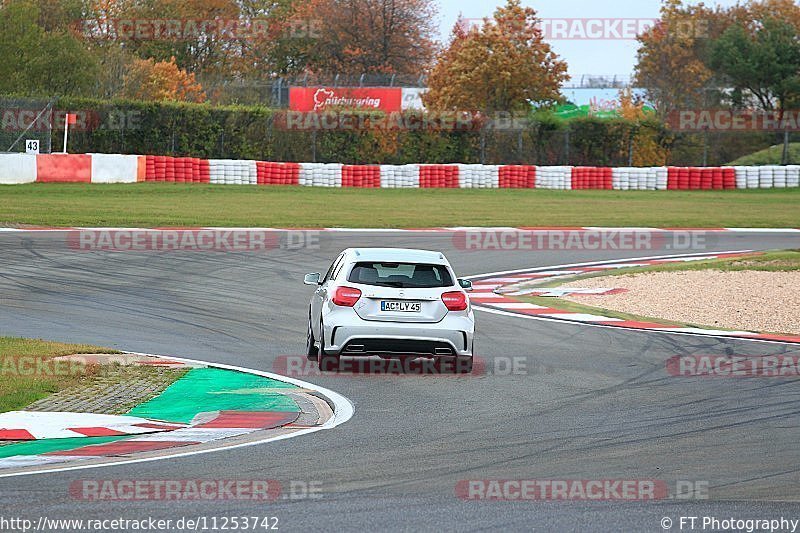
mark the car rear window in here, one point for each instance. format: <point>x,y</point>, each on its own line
<point>401,275</point>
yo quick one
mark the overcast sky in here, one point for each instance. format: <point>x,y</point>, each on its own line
<point>596,56</point>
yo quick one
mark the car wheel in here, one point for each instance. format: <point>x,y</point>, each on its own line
<point>311,348</point>
<point>327,362</point>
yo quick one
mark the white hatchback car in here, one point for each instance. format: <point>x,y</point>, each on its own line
<point>390,302</point>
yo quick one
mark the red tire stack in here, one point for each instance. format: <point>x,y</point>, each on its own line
<point>717,178</point>
<point>706,178</point>
<point>180,170</point>
<point>169,174</point>
<point>204,171</point>
<point>368,176</point>
<point>438,176</point>
<point>728,178</point>
<point>268,173</point>
<point>161,168</point>
<point>149,168</point>
<point>517,177</point>
<point>591,178</point>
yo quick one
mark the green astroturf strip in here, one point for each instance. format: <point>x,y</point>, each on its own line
<point>212,389</point>
<point>37,447</point>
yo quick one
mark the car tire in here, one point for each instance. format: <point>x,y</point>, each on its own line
<point>312,352</point>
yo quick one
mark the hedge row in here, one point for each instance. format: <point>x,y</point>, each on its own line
<point>258,133</point>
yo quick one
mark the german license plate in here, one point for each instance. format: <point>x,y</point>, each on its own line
<point>402,307</point>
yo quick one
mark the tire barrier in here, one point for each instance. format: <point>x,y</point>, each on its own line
<point>277,173</point>
<point>177,169</point>
<point>232,172</point>
<point>17,169</point>
<point>399,176</point>
<point>706,178</point>
<point>478,176</point>
<point>554,177</point>
<point>438,177</point>
<point>64,168</point>
<point>592,177</point>
<point>365,176</point>
<point>639,178</point>
<point>517,177</point>
<point>793,176</point>
<point>320,174</point>
<point>118,168</point>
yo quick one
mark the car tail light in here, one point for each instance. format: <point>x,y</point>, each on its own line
<point>455,301</point>
<point>346,296</point>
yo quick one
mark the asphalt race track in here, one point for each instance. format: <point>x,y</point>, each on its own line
<point>604,408</point>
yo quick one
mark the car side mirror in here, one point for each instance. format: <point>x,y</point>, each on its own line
<point>465,284</point>
<point>312,279</point>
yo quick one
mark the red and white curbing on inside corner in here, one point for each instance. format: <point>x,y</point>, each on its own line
<point>496,292</point>
<point>121,168</point>
<point>223,425</point>
<point>27,425</point>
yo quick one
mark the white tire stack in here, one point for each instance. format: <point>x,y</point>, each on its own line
<point>793,175</point>
<point>661,177</point>
<point>753,179</point>
<point>559,177</point>
<point>621,178</point>
<point>779,177</point>
<point>765,177</point>
<point>216,169</point>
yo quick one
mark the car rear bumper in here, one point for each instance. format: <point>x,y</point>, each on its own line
<point>452,336</point>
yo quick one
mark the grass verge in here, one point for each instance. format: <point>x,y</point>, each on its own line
<point>769,156</point>
<point>29,374</point>
<point>167,204</point>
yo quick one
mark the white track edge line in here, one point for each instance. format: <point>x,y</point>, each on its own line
<point>480,277</point>
<point>566,321</point>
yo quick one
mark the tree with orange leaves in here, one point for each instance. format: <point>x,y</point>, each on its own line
<point>505,65</point>
<point>148,79</point>
<point>367,36</point>
<point>670,64</point>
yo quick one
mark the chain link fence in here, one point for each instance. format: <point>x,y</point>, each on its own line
<point>23,120</point>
